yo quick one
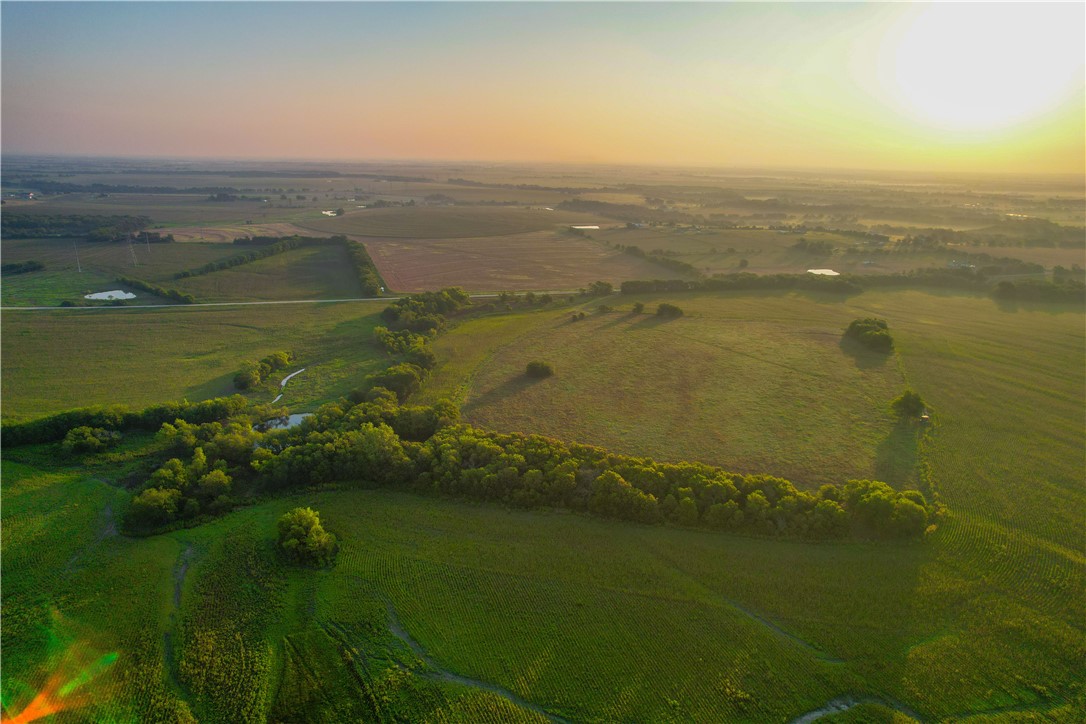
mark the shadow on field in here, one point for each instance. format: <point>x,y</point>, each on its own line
<point>220,386</point>
<point>896,456</point>
<point>510,387</point>
<point>864,358</point>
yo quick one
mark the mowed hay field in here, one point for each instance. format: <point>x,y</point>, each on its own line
<point>444,222</point>
<point>753,384</point>
<point>101,264</point>
<point>313,272</point>
<point>542,260</point>
<point>59,360</point>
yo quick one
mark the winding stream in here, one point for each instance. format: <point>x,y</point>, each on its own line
<point>284,381</point>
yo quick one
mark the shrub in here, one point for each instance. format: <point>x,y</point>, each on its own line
<point>539,370</point>
<point>638,307</point>
<point>872,333</point>
<point>908,404</point>
<point>669,310</point>
<point>303,539</point>
<point>86,439</point>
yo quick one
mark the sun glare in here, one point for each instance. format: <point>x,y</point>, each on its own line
<point>983,66</point>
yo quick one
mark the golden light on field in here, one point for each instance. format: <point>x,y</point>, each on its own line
<point>960,67</point>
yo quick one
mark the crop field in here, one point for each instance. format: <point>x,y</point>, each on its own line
<point>226,233</point>
<point>315,272</point>
<point>75,358</point>
<point>443,222</point>
<point>100,264</point>
<point>538,261</point>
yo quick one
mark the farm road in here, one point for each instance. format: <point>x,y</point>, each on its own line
<point>246,304</point>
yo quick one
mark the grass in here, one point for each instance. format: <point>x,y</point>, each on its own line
<point>169,209</point>
<point>74,358</point>
<point>442,222</point>
<point>317,272</point>
<point>588,619</point>
<point>754,384</point>
<point>99,266</point>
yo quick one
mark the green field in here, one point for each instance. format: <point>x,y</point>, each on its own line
<point>73,358</point>
<point>98,267</point>
<point>315,272</point>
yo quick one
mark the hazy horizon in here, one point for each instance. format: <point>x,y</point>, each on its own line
<point>827,87</point>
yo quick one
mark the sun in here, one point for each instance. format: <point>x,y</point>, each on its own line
<point>983,66</point>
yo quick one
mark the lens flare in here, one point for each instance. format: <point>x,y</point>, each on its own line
<point>69,664</point>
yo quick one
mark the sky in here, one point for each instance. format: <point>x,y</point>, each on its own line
<point>977,87</point>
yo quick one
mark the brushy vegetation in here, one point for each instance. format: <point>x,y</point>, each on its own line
<point>871,333</point>
<point>254,373</point>
<point>21,267</point>
<point>539,369</point>
<point>304,540</point>
<point>171,294</point>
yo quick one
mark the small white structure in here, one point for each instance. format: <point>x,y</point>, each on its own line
<point>110,295</point>
<point>824,272</point>
<point>584,227</point>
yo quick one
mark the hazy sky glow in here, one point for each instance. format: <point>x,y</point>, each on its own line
<point>970,87</point>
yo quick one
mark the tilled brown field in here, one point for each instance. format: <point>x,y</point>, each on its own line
<point>538,260</point>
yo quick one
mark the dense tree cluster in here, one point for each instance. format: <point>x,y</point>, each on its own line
<point>303,539</point>
<point>743,281</point>
<point>663,260</point>
<point>815,248</point>
<point>668,310</point>
<point>101,228</point>
<point>424,312</point>
<point>1060,289</point>
<point>86,439</point>
<point>872,333</point>
<point>253,373</point>
<point>20,267</point>
<point>121,418</point>
<point>158,291</point>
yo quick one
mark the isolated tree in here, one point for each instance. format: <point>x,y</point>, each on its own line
<point>539,369</point>
<point>908,404</point>
<point>303,539</point>
<point>668,310</point>
<point>638,307</point>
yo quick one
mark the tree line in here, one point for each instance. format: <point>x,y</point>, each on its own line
<point>158,291</point>
<point>93,227</point>
<point>21,267</point>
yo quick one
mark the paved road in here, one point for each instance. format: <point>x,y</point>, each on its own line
<point>245,304</point>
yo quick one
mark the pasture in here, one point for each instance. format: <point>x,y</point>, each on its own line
<point>313,272</point>
<point>753,384</point>
<point>169,210</point>
<point>74,267</point>
<point>537,261</point>
<point>76,358</point>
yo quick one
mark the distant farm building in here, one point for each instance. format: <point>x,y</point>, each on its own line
<point>824,272</point>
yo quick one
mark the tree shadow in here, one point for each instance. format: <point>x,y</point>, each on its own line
<point>512,386</point>
<point>864,358</point>
<point>896,457</point>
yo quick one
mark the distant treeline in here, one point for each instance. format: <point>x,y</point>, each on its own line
<point>368,276</point>
<point>1063,289</point>
<point>664,261</point>
<point>523,187</point>
<point>21,267</point>
<point>94,228</point>
<point>625,212</point>
<point>61,187</point>
<point>156,290</point>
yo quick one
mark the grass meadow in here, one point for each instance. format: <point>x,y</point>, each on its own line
<point>97,269</point>
<point>74,358</point>
<point>315,272</point>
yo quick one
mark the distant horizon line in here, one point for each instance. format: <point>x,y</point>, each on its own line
<point>508,163</point>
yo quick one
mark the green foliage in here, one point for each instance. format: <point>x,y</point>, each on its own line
<point>158,291</point>
<point>539,369</point>
<point>95,228</point>
<point>404,379</point>
<point>600,289</point>
<point>908,404</point>
<point>254,373</point>
<point>20,267</point>
<point>303,539</point>
<point>638,307</point>
<point>872,333</point>
<point>84,439</point>
<point>668,310</point>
